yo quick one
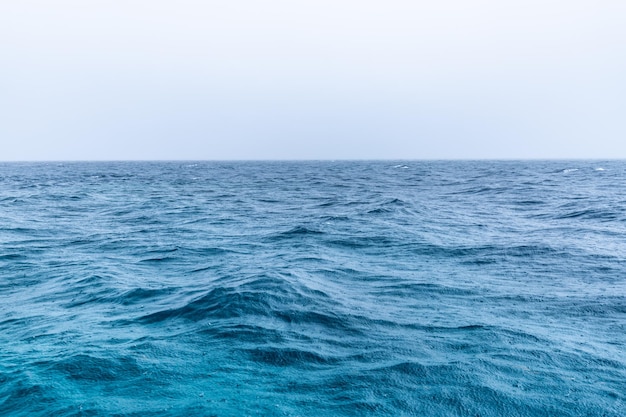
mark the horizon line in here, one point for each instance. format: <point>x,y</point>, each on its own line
<point>312,160</point>
<point>71,161</point>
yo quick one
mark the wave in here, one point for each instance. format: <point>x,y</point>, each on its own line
<point>592,214</point>
<point>289,357</point>
<point>296,232</point>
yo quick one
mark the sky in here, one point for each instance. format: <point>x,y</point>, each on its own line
<point>323,79</point>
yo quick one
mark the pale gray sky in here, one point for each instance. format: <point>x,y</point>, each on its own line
<point>323,79</point>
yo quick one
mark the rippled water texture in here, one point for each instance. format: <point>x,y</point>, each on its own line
<point>313,288</point>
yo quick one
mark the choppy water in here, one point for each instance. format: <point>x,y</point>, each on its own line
<point>313,288</point>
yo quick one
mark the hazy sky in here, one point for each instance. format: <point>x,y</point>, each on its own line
<point>270,79</point>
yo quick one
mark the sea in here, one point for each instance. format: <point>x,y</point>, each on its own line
<point>313,288</point>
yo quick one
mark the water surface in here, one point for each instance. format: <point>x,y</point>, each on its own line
<point>313,288</point>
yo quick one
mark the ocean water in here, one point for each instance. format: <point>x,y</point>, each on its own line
<point>407,288</point>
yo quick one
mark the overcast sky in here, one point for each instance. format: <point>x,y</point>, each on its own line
<point>323,79</point>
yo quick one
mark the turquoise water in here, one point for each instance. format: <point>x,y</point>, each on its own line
<point>313,288</point>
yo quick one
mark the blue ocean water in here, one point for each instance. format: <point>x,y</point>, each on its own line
<point>407,288</point>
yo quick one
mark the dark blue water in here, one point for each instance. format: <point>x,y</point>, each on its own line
<point>313,288</point>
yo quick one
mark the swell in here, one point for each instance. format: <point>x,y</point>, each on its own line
<point>270,296</point>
